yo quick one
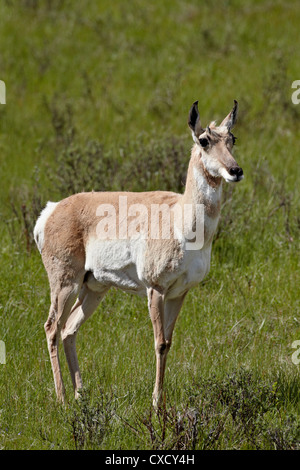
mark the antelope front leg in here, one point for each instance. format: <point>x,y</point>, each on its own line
<point>156,311</point>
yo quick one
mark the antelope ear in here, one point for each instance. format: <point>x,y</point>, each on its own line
<point>230,120</point>
<point>194,120</point>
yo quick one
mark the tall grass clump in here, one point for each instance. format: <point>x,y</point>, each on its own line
<point>238,411</point>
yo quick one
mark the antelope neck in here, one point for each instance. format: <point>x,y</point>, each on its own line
<point>201,187</point>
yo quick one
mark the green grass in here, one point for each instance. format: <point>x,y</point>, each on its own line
<point>107,88</point>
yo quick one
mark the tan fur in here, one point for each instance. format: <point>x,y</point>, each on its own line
<point>167,270</point>
<point>191,194</point>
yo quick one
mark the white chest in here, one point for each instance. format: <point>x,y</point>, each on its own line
<point>194,267</point>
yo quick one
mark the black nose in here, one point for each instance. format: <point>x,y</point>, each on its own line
<point>236,171</point>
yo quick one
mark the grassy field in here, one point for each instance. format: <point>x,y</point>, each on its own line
<point>97,97</point>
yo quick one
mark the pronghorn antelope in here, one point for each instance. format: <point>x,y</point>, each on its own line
<point>82,266</point>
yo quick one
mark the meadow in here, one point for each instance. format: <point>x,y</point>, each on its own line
<point>97,98</point>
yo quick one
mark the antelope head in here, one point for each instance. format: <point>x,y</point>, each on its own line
<point>216,143</point>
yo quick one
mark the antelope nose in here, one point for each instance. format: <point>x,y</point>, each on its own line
<point>236,171</point>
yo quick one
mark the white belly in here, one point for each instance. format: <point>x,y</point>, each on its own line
<point>115,263</point>
<point>119,263</point>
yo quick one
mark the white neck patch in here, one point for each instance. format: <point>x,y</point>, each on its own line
<point>203,186</point>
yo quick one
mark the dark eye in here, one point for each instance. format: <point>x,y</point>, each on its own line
<point>233,139</point>
<point>203,142</point>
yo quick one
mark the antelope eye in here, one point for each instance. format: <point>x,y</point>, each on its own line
<point>203,142</point>
<point>233,138</point>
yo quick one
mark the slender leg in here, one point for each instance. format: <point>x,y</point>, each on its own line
<point>85,306</point>
<point>156,310</point>
<point>61,305</point>
<point>163,316</point>
<point>172,309</point>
